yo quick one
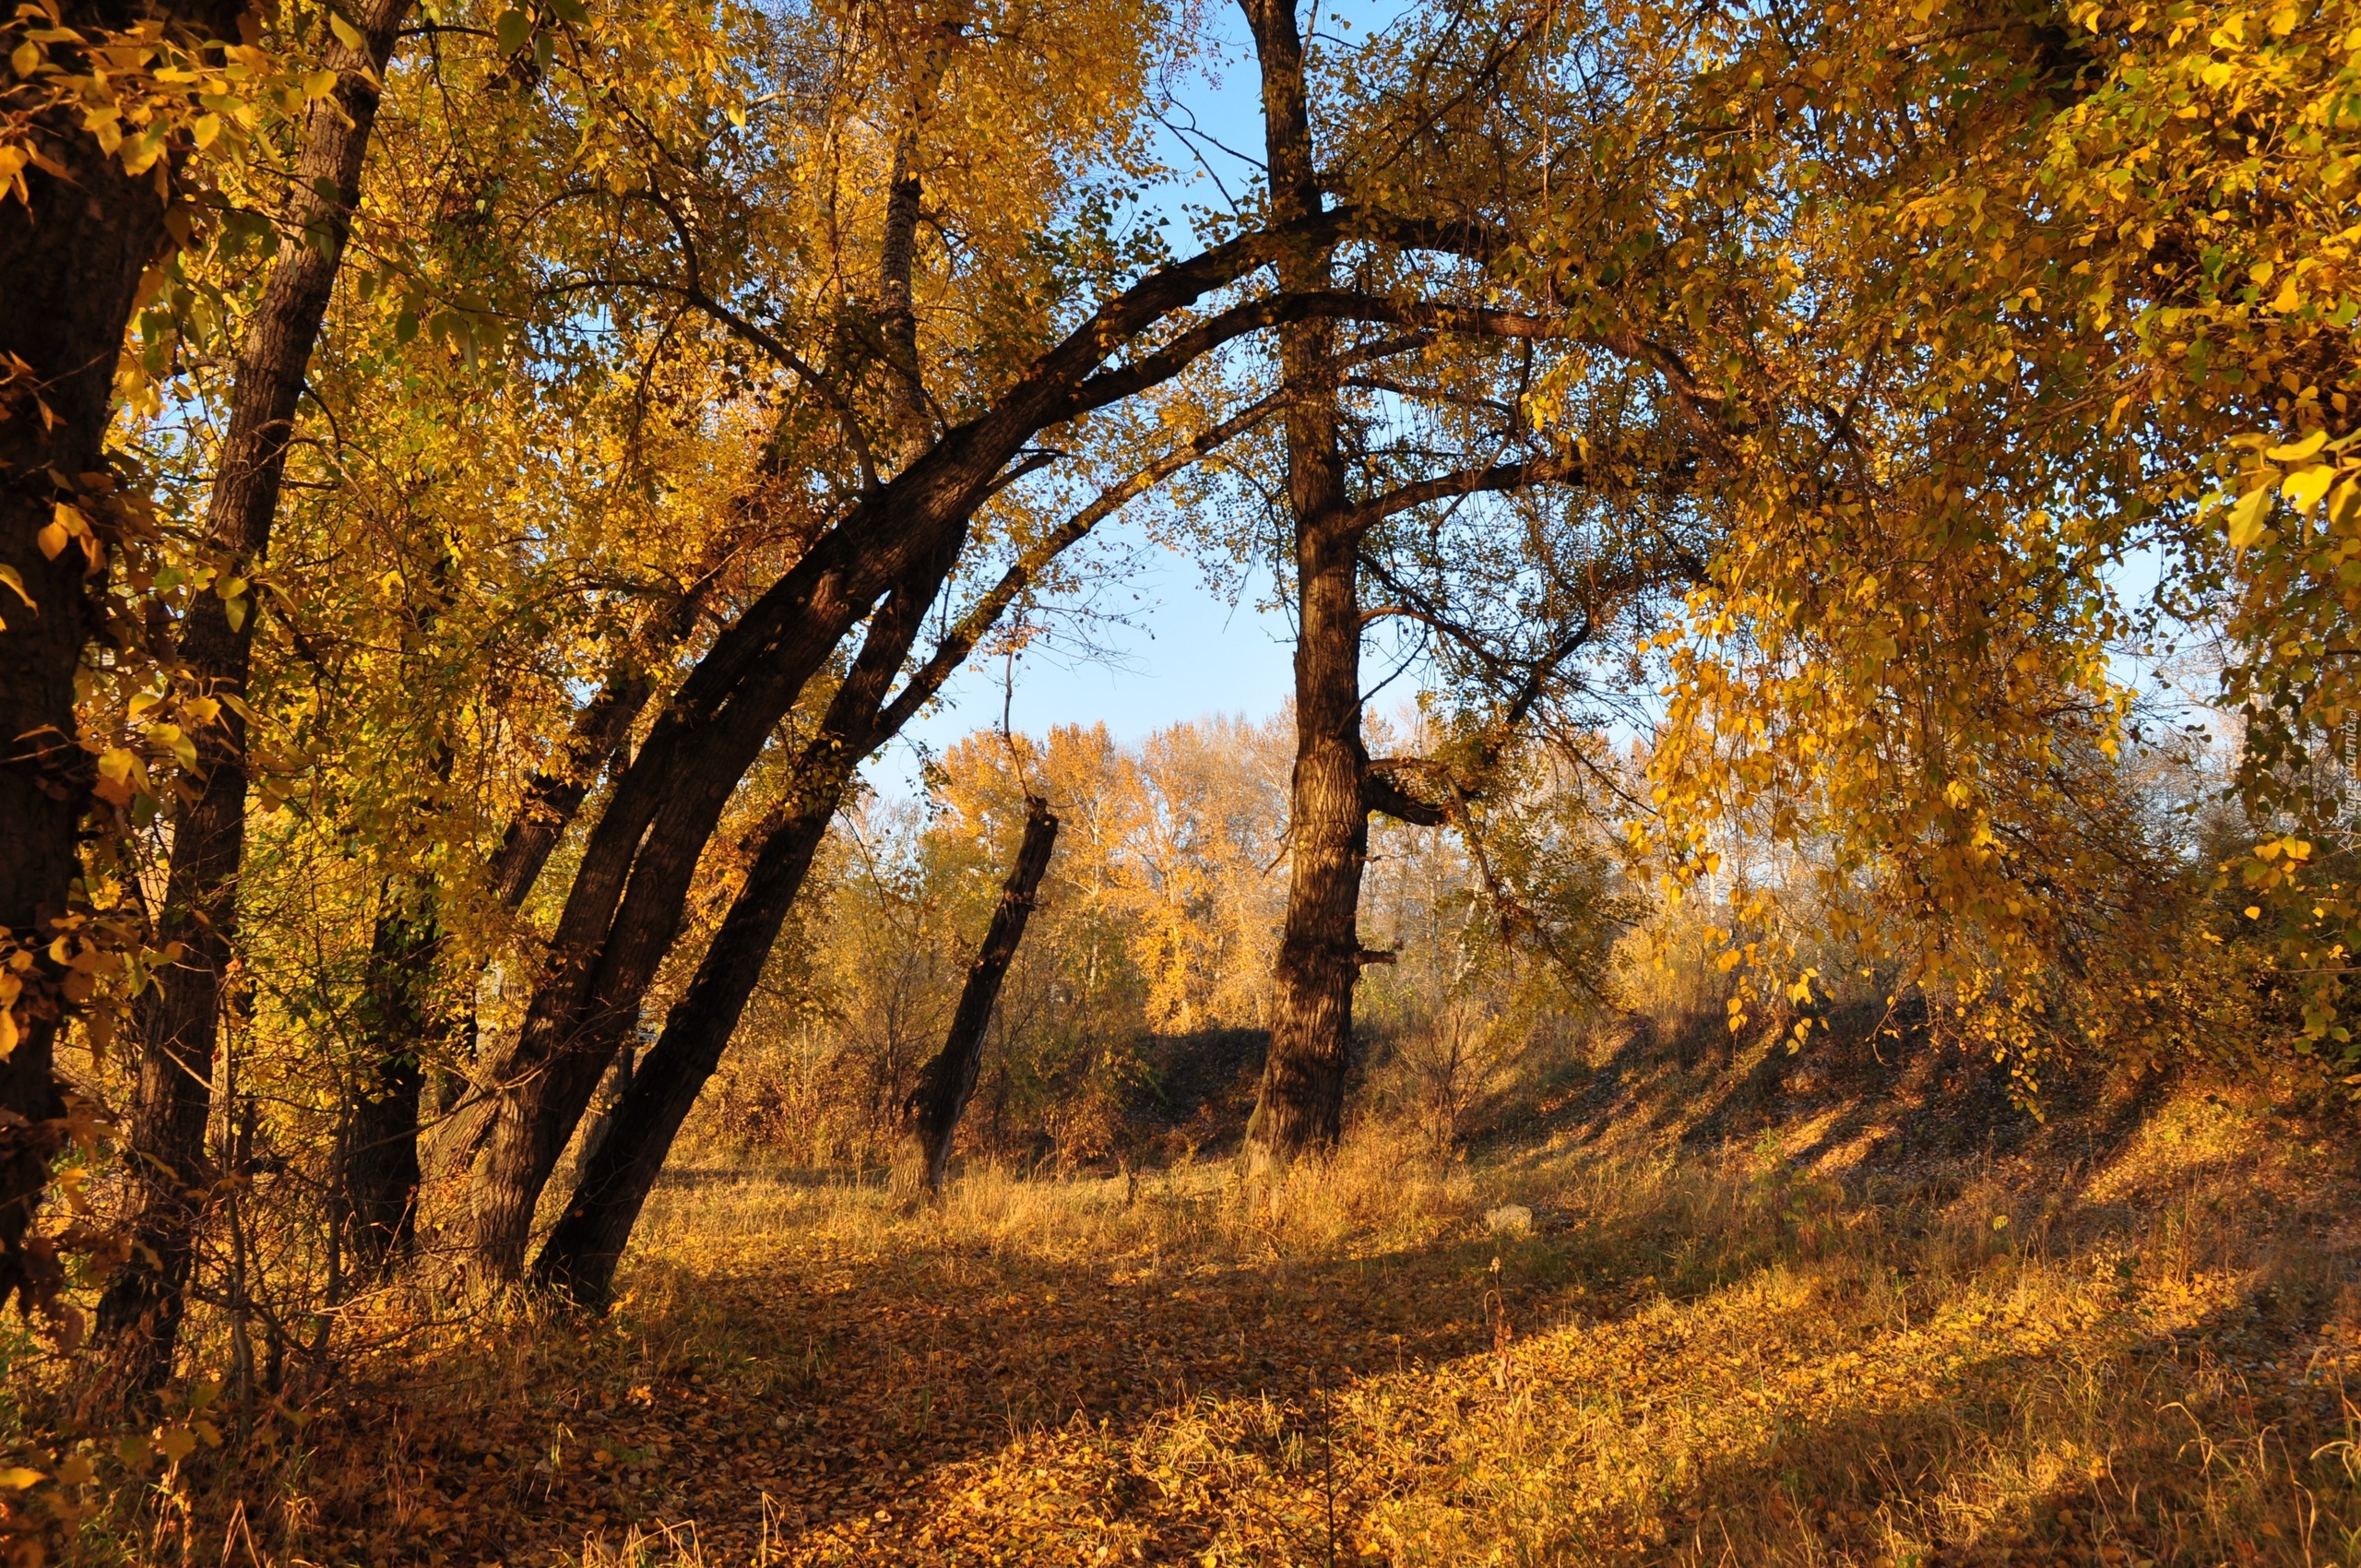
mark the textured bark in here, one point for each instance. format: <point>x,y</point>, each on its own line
<point>612,1086</point>
<point>580,1255</point>
<point>71,259</point>
<point>1301,1105</point>
<point>947,1082</point>
<point>381,1149</point>
<point>552,799</point>
<point>898,316</point>
<point>139,1315</point>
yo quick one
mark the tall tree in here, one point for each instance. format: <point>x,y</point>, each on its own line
<point>580,1255</point>
<point>624,907</point>
<point>583,1248</point>
<point>73,247</point>
<point>140,1313</point>
<point>1568,398</point>
<point>1320,951</point>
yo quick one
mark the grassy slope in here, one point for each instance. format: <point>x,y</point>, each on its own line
<point>1768,1310</point>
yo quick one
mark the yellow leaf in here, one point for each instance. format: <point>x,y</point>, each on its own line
<point>176,1444</point>
<point>2304,489</point>
<point>2297,452</point>
<point>8,574</point>
<point>345,33</point>
<point>2246,518</point>
<point>15,1477</point>
<point>25,58</point>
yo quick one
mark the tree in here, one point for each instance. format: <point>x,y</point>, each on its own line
<point>624,909</point>
<point>2092,314</point>
<point>1619,337</point>
<point>86,221</point>
<point>947,1081</point>
<point>140,1313</point>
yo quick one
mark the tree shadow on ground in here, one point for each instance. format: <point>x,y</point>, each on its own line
<point>818,1396</point>
<point>2229,1470</point>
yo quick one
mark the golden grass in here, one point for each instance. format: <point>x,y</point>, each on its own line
<point>2106,1353</point>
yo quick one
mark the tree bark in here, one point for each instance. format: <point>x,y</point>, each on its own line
<point>381,1151</point>
<point>580,1255</point>
<point>552,799</point>
<point>945,1083</point>
<point>139,1315</point>
<point>1301,1105</point>
<point>71,259</point>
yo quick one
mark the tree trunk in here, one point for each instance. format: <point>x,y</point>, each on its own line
<point>604,724</point>
<point>139,1315</point>
<point>71,258</point>
<point>524,1133</point>
<point>552,799</point>
<point>1301,1105</point>
<point>637,864</point>
<point>580,1255</point>
<point>947,1082</point>
<point>606,1102</point>
<point>381,1153</point>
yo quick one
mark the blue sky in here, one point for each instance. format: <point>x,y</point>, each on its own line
<point>1179,650</point>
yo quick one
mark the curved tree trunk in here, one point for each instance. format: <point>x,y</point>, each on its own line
<point>637,865</point>
<point>1301,1105</point>
<point>552,799</point>
<point>580,1255</point>
<point>947,1082</point>
<point>525,1135</point>
<point>139,1315</point>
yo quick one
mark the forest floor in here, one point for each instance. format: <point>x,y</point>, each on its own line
<point>1854,1340</point>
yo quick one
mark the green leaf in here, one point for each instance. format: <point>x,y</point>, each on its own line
<point>512,29</point>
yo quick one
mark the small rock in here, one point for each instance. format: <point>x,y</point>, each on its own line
<point>1513,1219</point>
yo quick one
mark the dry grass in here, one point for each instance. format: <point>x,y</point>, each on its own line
<point>2107,1352</point>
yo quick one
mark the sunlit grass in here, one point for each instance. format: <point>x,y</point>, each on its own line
<point>1701,1359</point>
<point>2119,1351</point>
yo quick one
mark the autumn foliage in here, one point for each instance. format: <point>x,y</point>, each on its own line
<point>1821,546</point>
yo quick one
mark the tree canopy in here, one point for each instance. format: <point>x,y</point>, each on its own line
<point>482,478</point>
